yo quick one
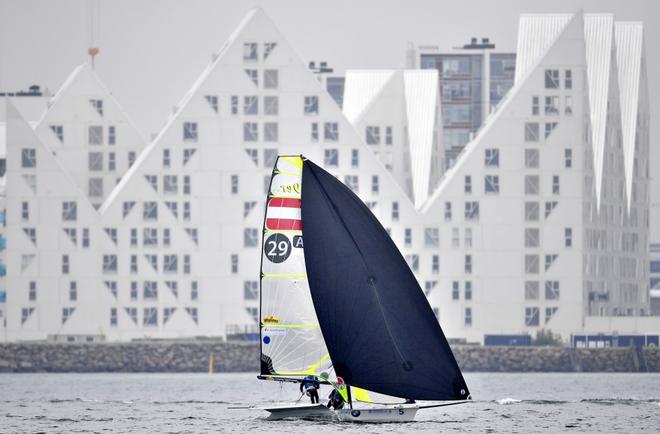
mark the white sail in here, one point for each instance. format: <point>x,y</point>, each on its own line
<point>291,340</point>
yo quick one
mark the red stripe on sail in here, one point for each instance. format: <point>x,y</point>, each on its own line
<point>284,224</point>
<point>284,202</point>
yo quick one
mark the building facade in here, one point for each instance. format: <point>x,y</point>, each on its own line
<point>473,80</point>
<point>542,222</point>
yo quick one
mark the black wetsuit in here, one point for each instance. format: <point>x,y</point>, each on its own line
<point>311,386</point>
<point>336,400</point>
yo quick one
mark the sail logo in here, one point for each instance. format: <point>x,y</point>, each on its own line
<point>284,214</point>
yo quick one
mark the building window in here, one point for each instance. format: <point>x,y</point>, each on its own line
<point>468,317</point>
<point>395,211</point>
<point>351,182</point>
<point>311,105</point>
<point>331,131</point>
<point>271,105</point>
<point>568,158</point>
<point>549,207</point>
<point>268,48</point>
<point>568,105</point>
<point>28,158</point>
<point>188,154</point>
<point>170,264</point>
<point>152,180</point>
<point>170,184</point>
<point>552,79</point>
<point>431,237</point>
<point>552,105</point>
<point>472,211</point>
<point>271,79</point>
<point>315,132</point>
<point>331,157</point>
<point>112,135</point>
<point>150,211</point>
<point>549,260</point>
<point>58,130</point>
<point>531,316</point>
<point>531,131</point>
<point>250,131</point>
<point>150,318</point>
<point>113,317</point>
<point>85,237</point>
<point>213,101</point>
<point>468,184</point>
<point>375,187</point>
<point>112,162</point>
<point>186,211</point>
<point>568,79</point>
<point>26,312</point>
<point>355,158</point>
<point>234,105</point>
<point>190,131</point>
<point>134,291</point>
<point>134,264</point>
<point>95,136</point>
<point>187,188</point>
<point>388,135</point>
<point>66,313</point>
<point>468,264</point>
<point>234,184</point>
<point>435,264</point>
<point>373,135</point>
<point>73,291</point>
<point>166,237</point>
<point>250,237</point>
<point>555,184</point>
<point>112,234</point>
<point>549,128</point>
<point>250,290</point>
<point>25,211</point>
<point>568,237</point>
<point>455,290</point>
<point>32,291</point>
<point>192,311</point>
<point>535,105</point>
<point>552,290</point>
<point>532,264</point>
<point>492,158</point>
<point>549,313</point>
<point>134,237</point>
<point>250,52</point>
<point>151,259</point>
<point>149,237</point>
<point>166,159</point>
<point>407,237</point>
<point>531,184</point>
<point>468,290</point>
<point>95,187</point>
<point>69,211</point>
<point>447,211</point>
<point>492,184</point>
<point>131,158</point>
<point>455,238</point>
<point>127,207</point>
<point>532,237</point>
<point>531,158</point>
<point>254,76</point>
<point>31,233</point>
<point>413,262</point>
<point>95,161</point>
<point>468,238</point>
<point>109,263</point>
<point>531,290</point>
<point>271,132</point>
<point>251,105</point>
<point>234,264</point>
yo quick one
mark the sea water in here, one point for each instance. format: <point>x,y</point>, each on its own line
<point>523,403</point>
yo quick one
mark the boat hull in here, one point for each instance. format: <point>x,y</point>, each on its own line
<point>310,411</point>
<point>378,414</point>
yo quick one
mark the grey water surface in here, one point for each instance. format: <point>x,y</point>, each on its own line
<point>524,403</point>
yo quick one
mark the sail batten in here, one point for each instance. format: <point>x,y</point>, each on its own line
<point>377,325</point>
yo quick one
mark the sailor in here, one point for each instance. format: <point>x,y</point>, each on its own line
<point>310,386</point>
<point>336,400</point>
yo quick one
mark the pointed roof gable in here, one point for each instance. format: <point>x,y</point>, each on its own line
<point>360,89</point>
<point>536,33</point>
<point>629,40</point>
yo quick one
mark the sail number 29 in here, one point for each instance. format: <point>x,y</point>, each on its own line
<point>277,248</point>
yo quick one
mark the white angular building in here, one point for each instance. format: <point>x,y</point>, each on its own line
<point>541,223</point>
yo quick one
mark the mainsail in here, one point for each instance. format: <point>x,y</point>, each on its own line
<point>377,324</point>
<point>291,340</point>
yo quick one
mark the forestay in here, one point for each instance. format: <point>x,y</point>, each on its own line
<point>291,341</point>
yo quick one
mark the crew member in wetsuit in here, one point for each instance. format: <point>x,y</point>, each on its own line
<point>310,385</point>
<point>336,400</point>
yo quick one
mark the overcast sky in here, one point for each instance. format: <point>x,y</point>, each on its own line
<point>153,50</point>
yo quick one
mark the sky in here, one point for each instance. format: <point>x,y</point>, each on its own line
<point>151,51</point>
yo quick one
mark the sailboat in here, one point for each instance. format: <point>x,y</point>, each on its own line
<point>338,300</point>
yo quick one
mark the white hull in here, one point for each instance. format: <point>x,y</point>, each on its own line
<point>399,413</point>
<point>302,411</point>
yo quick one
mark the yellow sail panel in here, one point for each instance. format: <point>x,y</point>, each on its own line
<point>361,395</point>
